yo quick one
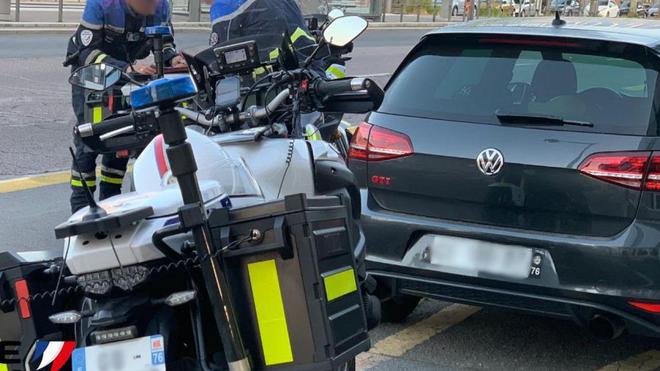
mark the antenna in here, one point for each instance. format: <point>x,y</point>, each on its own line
<point>95,212</point>
<point>558,21</point>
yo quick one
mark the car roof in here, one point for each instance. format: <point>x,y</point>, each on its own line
<point>634,31</point>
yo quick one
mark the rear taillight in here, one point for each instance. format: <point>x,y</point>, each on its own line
<point>636,170</point>
<point>625,168</point>
<point>652,182</point>
<point>649,307</point>
<point>373,143</point>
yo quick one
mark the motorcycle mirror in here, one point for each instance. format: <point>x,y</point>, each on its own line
<point>343,30</point>
<point>228,92</point>
<point>96,77</point>
<point>334,14</point>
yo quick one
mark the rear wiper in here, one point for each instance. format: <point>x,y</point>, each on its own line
<point>508,118</point>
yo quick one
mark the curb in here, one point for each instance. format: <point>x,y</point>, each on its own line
<point>33,27</point>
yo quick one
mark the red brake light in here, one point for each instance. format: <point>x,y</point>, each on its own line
<point>373,143</point>
<point>649,307</point>
<point>623,168</point>
<point>23,296</point>
<point>652,182</point>
<point>359,142</point>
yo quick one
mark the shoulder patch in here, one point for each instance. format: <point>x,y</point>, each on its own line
<point>214,39</point>
<point>86,37</point>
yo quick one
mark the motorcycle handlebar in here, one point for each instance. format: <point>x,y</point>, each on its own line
<point>332,87</point>
<point>115,126</point>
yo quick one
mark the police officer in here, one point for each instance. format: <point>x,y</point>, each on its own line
<point>111,32</point>
<point>237,18</point>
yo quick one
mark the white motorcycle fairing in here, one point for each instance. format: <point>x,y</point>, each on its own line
<point>154,187</point>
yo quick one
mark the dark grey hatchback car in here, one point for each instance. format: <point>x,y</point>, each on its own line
<point>517,164</point>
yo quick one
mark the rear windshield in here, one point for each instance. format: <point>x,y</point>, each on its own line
<point>608,85</point>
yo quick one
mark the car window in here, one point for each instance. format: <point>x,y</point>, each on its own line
<point>474,81</point>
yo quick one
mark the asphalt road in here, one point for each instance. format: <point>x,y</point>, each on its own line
<point>35,104</point>
<point>35,123</point>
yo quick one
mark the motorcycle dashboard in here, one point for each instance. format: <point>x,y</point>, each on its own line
<point>237,58</point>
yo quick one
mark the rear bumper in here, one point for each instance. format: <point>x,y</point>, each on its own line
<point>580,276</point>
<point>556,305</point>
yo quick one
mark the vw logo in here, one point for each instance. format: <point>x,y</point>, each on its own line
<point>490,161</point>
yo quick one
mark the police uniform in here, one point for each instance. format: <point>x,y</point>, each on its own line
<point>232,19</point>
<point>109,32</point>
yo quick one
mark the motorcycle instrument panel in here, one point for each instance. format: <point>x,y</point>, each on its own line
<point>237,57</point>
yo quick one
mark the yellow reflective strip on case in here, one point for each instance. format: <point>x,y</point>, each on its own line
<point>97,114</point>
<point>269,307</point>
<point>300,33</point>
<point>111,180</point>
<point>100,58</point>
<point>339,284</point>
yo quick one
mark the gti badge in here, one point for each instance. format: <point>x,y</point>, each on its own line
<point>490,161</point>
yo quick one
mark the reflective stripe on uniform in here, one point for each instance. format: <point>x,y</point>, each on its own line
<point>89,175</point>
<point>100,58</point>
<point>92,56</point>
<point>335,72</point>
<point>300,33</point>
<point>111,180</point>
<point>274,54</point>
<point>78,183</point>
<point>109,170</point>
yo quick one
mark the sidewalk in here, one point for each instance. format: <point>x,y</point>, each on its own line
<point>41,16</point>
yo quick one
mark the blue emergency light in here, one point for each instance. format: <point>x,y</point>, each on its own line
<point>163,91</point>
<point>158,31</point>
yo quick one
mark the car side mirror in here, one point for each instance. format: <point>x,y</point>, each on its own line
<point>98,77</point>
<point>342,31</point>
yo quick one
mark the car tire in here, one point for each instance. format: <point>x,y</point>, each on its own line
<point>399,308</point>
<point>348,366</point>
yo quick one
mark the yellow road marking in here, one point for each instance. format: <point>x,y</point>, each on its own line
<point>398,344</point>
<point>38,181</point>
<point>649,360</point>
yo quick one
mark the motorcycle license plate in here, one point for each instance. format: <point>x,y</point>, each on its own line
<point>145,353</point>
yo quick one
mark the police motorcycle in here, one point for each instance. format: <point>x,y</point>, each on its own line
<point>236,251</point>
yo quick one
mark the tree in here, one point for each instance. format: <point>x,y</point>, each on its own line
<point>633,9</point>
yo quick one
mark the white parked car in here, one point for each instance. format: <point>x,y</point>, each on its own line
<point>606,8</point>
<point>528,8</point>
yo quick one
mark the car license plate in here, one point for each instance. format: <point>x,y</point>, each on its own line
<point>145,353</point>
<point>473,257</point>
